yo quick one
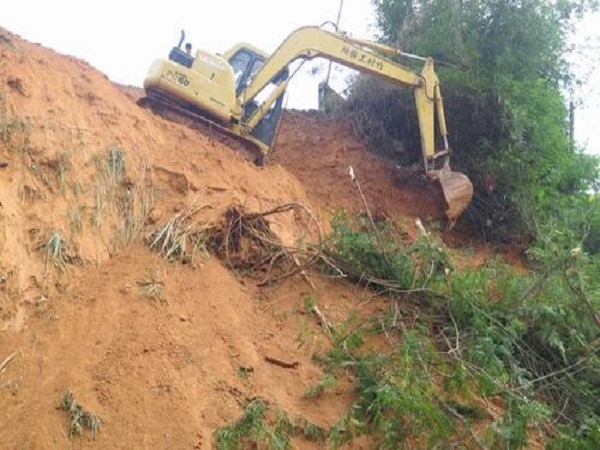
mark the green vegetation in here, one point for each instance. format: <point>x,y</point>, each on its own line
<point>319,388</point>
<point>79,418</point>
<point>493,357</point>
<point>503,73</point>
<point>526,341</point>
<point>254,429</point>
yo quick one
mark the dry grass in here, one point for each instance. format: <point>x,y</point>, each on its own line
<point>14,131</point>
<point>182,237</point>
<point>152,288</point>
<point>123,198</point>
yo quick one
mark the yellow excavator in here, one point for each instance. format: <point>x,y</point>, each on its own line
<point>241,93</point>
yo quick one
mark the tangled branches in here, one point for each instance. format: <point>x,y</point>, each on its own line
<point>247,243</point>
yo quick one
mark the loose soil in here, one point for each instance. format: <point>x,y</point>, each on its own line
<point>89,169</point>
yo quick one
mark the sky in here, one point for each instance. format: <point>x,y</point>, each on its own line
<point>122,37</point>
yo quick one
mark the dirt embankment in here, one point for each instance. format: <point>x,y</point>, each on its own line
<point>89,174</point>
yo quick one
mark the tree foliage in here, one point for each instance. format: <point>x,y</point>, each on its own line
<point>503,72</point>
<point>527,339</point>
<point>532,338</point>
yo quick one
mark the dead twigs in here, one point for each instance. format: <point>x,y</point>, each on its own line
<point>249,243</point>
<point>181,236</point>
<point>325,324</point>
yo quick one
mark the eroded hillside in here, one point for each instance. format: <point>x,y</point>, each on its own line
<point>164,353</point>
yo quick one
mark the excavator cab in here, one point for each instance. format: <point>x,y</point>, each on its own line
<point>179,56</point>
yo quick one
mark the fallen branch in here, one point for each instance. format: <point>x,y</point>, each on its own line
<point>327,327</point>
<point>455,413</point>
<point>255,229</point>
<point>303,273</point>
<point>368,210</point>
<point>173,238</point>
<point>281,363</point>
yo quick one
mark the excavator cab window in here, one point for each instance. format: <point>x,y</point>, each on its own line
<point>266,130</point>
<point>239,62</point>
<point>245,63</point>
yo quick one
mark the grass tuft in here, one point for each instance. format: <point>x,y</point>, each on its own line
<point>181,238</point>
<point>79,418</point>
<point>152,289</point>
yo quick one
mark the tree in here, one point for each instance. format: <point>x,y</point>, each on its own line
<point>502,68</point>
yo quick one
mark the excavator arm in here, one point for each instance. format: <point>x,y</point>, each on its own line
<point>366,57</point>
<point>312,42</point>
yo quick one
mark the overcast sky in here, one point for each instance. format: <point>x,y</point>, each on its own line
<point>121,38</point>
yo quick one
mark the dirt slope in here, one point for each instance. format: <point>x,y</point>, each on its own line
<point>92,171</point>
<point>319,152</point>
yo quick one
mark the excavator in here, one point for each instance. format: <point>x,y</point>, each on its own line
<point>241,94</point>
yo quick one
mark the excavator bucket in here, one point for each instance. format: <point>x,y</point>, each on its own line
<point>457,189</point>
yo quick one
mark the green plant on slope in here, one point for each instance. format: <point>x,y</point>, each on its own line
<point>251,430</point>
<point>503,69</point>
<point>528,339</point>
<point>79,418</point>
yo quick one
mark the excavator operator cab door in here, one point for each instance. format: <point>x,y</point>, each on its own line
<point>245,63</point>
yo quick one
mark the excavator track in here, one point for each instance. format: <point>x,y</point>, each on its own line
<point>184,114</point>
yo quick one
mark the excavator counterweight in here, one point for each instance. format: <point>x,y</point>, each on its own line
<point>242,92</point>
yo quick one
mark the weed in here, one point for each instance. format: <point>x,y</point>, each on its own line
<point>318,389</point>
<point>79,418</point>
<point>249,429</point>
<point>309,303</point>
<point>252,430</point>
<point>308,339</point>
<point>129,200</point>
<point>152,289</point>
<point>56,252</point>
<point>14,132</point>
<point>60,167</point>
<point>244,372</point>
<point>8,284</point>
<point>6,40</point>
<point>310,431</point>
<point>347,338</point>
<point>75,220</point>
<point>383,258</point>
<point>115,164</point>
<point>181,238</point>
<point>99,206</point>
